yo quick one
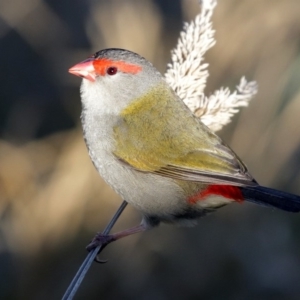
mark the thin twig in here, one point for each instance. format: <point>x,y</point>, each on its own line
<point>76,282</point>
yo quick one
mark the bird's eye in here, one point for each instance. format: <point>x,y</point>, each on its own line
<point>111,70</point>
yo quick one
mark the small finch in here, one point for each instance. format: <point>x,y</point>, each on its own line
<point>150,148</point>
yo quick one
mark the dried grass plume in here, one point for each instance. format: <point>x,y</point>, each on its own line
<point>187,73</point>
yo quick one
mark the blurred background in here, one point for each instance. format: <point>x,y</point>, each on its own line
<point>52,201</point>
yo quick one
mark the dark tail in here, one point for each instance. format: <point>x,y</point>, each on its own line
<point>269,197</point>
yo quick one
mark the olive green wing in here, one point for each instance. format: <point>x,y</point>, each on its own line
<point>200,166</point>
<point>166,139</point>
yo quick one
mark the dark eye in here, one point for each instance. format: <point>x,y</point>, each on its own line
<point>112,71</point>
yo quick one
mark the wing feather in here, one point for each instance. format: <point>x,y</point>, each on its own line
<point>163,137</point>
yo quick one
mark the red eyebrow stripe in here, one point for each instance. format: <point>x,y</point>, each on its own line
<point>101,65</point>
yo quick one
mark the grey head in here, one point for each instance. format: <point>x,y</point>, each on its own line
<point>132,76</point>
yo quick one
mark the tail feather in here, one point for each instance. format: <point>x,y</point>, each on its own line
<point>270,197</point>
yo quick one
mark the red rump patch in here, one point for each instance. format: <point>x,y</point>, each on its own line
<point>226,191</point>
<point>101,65</point>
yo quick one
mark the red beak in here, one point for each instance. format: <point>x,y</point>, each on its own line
<point>84,69</point>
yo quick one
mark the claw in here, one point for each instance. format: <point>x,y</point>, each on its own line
<point>100,239</point>
<point>100,261</point>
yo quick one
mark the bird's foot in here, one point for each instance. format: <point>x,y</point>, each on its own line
<point>100,239</point>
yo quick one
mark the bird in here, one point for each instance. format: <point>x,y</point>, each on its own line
<point>151,149</point>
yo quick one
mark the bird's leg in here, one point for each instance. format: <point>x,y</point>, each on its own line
<point>105,239</point>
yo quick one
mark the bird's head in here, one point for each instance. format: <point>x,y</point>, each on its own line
<point>115,77</point>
